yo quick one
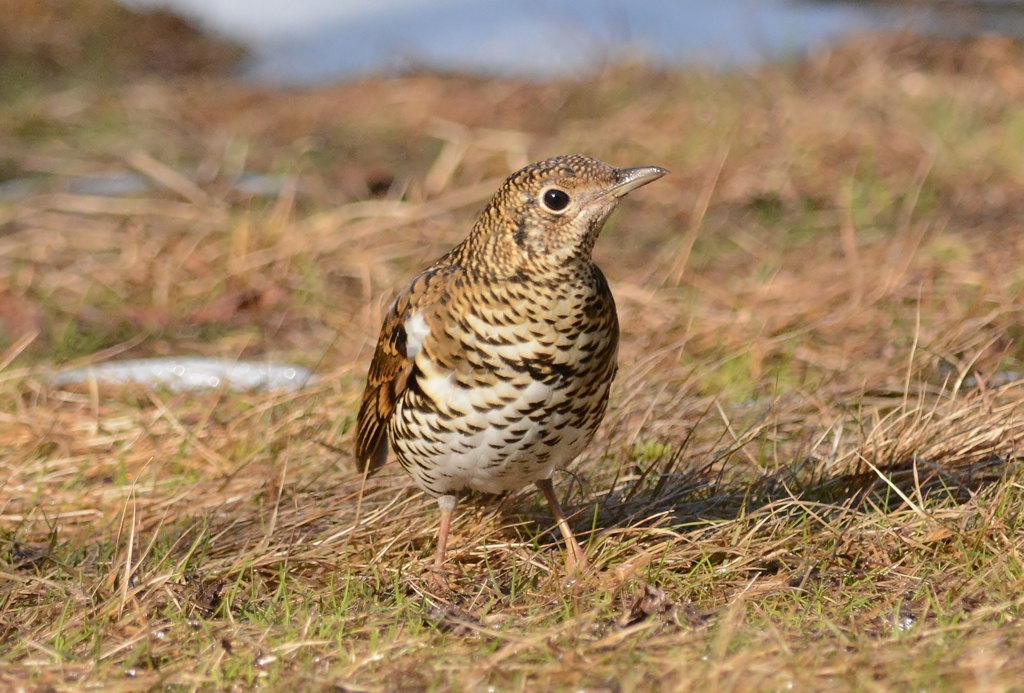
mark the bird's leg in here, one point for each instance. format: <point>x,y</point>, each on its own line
<point>447,505</point>
<point>575,560</point>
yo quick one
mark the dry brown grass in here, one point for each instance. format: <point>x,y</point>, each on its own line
<point>808,478</point>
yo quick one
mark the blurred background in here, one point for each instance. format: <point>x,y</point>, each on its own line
<point>309,41</point>
<point>317,41</point>
<point>253,179</point>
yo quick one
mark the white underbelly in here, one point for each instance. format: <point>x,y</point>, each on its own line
<point>468,442</point>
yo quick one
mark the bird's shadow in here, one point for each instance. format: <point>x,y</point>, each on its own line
<point>690,491</point>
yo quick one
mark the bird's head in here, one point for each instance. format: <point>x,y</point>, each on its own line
<point>550,213</point>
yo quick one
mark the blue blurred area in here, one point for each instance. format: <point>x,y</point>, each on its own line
<point>313,41</point>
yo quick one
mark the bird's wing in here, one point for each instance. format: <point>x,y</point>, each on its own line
<point>391,366</point>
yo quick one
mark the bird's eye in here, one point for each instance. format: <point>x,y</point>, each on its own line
<point>556,200</point>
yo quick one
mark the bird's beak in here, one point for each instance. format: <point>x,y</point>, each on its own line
<point>632,178</point>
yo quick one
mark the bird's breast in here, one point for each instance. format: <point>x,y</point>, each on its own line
<point>512,355</point>
<point>505,388</point>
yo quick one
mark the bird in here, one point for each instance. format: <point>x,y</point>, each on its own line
<point>494,365</point>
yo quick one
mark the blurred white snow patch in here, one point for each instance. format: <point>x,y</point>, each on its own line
<point>191,373</point>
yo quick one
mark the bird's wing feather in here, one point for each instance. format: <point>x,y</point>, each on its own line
<point>391,367</point>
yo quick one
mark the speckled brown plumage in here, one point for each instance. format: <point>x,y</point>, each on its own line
<point>493,366</point>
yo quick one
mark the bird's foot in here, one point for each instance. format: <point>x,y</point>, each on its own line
<point>578,575</point>
<point>438,582</point>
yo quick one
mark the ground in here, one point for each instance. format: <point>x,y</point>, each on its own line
<point>807,478</point>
